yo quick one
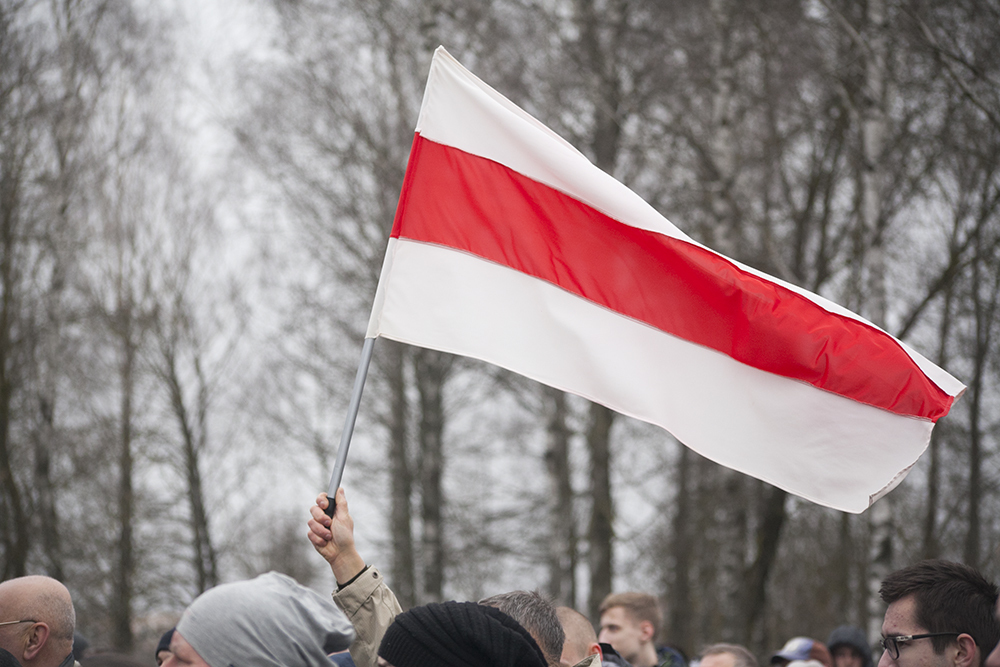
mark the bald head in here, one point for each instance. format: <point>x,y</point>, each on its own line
<point>581,639</point>
<point>48,638</point>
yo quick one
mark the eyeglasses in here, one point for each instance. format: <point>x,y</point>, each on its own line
<point>891,644</point>
<point>16,622</point>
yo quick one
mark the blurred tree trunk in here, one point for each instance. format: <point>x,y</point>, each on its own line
<point>124,329</point>
<point>194,436</point>
<point>681,606</point>
<point>721,170</point>
<point>432,369</point>
<point>844,559</point>
<point>600,533</point>
<point>16,132</point>
<point>45,489</point>
<point>562,543</point>
<point>50,355</point>
<point>16,533</point>
<point>403,561</point>
<point>767,538</point>
<point>862,608</point>
<point>931,546</point>
<point>873,120</point>
<point>880,559</point>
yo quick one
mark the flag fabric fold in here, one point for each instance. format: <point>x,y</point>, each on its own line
<point>511,247</point>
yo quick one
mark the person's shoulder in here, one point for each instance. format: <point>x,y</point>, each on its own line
<point>670,657</point>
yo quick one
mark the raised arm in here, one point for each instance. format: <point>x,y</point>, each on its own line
<point>361,591</point>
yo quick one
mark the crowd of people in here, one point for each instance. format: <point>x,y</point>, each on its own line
<point>939,614</point>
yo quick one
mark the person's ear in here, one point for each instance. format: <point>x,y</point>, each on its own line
<point>37,636</point>
<point>646,631</point>
<point>968,654</point>
<point>595,649</point>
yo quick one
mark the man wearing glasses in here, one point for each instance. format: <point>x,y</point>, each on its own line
<point>38,621</point>
<point>940,614</point>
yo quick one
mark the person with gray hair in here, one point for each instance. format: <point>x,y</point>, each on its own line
<point>38,621</point>
<point>537,615</point>
<point>269,621</point>
<point>726,655</point>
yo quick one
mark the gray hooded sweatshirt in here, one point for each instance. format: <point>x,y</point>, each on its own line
<point>270,621</point>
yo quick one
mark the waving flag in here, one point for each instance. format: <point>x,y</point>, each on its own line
<point>511,247</point>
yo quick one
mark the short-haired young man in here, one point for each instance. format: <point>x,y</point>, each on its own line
<point>630,623</point>
<point>940,614</point>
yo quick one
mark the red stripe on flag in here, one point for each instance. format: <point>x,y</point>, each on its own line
<point>470,203</point>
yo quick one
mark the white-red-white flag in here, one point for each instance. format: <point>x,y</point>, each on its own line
<point>511,247</point>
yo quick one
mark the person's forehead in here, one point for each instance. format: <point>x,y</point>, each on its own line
<point>901,618</point>
<point>619,615</point>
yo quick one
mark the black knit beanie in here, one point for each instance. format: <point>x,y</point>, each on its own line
<point>463,634</point>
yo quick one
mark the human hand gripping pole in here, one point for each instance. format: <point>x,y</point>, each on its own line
<point>352,416</point>
<point>333,538</point>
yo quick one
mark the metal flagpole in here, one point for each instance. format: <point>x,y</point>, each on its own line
<point>352,415</point>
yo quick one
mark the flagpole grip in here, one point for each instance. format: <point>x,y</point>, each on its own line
<point>352,415</point>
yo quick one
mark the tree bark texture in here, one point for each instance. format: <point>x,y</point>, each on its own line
<point>122,581</point>
<point>841,583</point>
<point>880,560</point>
<point>768,538</point>
<point>13,514</point>
<point>432,372</point>
<point>403,561</point>
<point>600,533</point>
<point>194,435</point>
<point>562,536</point>
<point>931,545</point>
<point>721,170</point>
<point>681,547</point>
<point>45,489</point>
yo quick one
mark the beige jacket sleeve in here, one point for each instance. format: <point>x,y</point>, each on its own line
<point>371,607</point>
